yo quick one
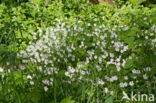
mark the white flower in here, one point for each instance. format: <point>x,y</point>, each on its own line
<point>146,37</point>
<point>104,56</point>
<point>118,45</point>
<point>1,69</point>
<point>111,92</point>
<point>126,77</point>
<point>88,24</point>
<point>100,82</point>
<point>131,83</point>
<point>67,74</point>
<point>118,68</point>
<point>122,85</point>
<point>82,72</point>
<point>31,83</point>
<point>145,76</point>
<point>136,71</point>
<point>71,70</point>
<point>98,68</point>
<point>39,68</point>
<point>45,88</point>
<point>95,57</point>
<point>100,60</point>
<point>106,90</point>
<point>111,55</point>
<point>113,78</point>
<point>29,77</point>
<point>102,37</point>
<point>125,28</point>
<point>148,69</point>
<point>123,62</point>
<point>118,59</point>
<point>22,67</point>
<point>47,82</point>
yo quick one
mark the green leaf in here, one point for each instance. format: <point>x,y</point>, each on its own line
<point>133,31</point>
<point>35,96</point>
<point>129,40</point>
<point>136,2</point>
<point>109,100</point>
<point>68,100</point>
<point>129,63</point>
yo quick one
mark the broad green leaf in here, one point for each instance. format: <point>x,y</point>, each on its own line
<point>35,96</point>
<point>129,63</point>
<point>68,100</point>
<point>109,100</point>
<point>129,40</point>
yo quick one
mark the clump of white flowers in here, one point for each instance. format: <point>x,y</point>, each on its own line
<point>94,55</point>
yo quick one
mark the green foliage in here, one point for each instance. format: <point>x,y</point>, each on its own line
<point>67,100</point>
<point>67,51</point>
<point>109,100</point>
<point>137,2</point>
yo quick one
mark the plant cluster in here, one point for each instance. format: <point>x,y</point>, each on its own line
<point>76,52</point>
